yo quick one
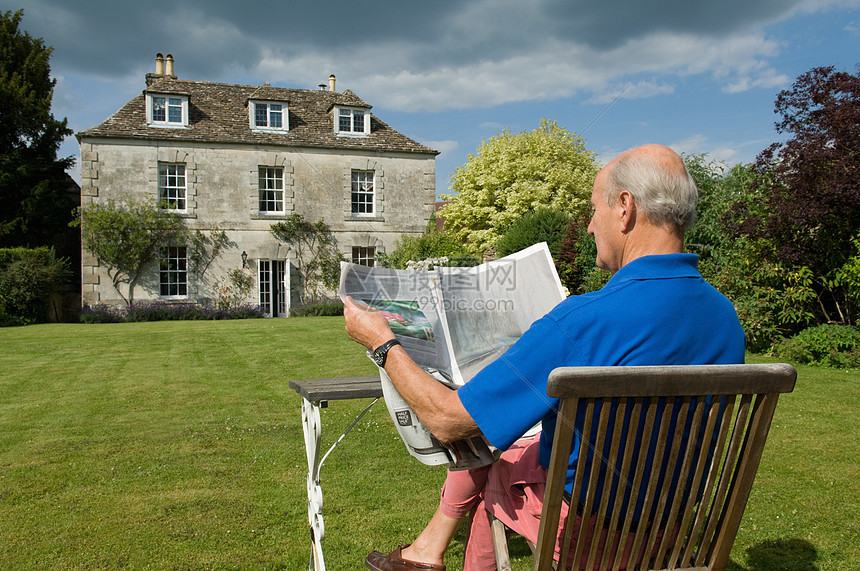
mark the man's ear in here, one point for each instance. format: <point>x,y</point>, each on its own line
<point>627,209</point>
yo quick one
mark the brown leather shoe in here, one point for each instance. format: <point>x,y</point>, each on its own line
<point>395,562</point>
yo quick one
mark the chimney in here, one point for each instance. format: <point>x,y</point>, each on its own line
<point>168,65</point>
<point>330,82</point>
<point>159,64</point>
<point>322,86</point>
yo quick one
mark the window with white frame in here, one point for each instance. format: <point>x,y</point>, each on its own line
<point>362,198</point>
<point>363,255</point>
<point>351,121</point>
<point>173,272</point>
<point>271,184</point>
<point>167,110</point>
<point>172,188</point>
<point>269,116</point>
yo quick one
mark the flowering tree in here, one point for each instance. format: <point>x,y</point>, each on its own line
<point>514,174</point>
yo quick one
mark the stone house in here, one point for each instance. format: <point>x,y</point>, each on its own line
<point>240,158</point>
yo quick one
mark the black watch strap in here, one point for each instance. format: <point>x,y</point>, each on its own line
<point>380,354</point>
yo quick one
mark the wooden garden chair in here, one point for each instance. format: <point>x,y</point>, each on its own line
<point>708,468</point>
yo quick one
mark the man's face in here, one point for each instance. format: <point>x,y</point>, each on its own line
<point>604,227</point>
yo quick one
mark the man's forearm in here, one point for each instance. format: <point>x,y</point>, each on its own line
<point>437,406</point>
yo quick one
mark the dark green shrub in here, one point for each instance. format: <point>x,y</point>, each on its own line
<point>320,308</point>
<point>27,279</point>
<point>542,225</point>
<point>828,345</point>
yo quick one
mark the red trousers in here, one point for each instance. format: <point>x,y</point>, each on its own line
<point>512,489</point>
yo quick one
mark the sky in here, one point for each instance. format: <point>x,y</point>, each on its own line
<point>698,76</point>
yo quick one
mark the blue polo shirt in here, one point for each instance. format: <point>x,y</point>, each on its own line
<point>656,310</point>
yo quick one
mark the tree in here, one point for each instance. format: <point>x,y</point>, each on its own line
<point>514,174</point>
<point>813,209</point>
<point>316,251</point>
<point>772,298</point>
<point>125,237</point>
<point>37,206</point>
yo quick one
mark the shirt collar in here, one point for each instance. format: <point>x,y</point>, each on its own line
<point>659,267</point>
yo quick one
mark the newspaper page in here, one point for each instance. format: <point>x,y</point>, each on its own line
<point>487,308</point>
<point>453,321</point>
<point>409,300</point>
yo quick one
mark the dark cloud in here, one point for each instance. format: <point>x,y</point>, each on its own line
<point>609,24</point>
<point>110,37</point>
<point>209,37</point>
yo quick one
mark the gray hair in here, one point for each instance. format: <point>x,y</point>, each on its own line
<point>664,196</point>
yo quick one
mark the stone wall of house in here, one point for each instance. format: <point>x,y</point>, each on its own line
<point>222,190</point>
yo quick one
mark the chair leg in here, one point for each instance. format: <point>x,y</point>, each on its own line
<point>500,544</point>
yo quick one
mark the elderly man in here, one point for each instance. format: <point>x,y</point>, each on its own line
<point>655,310</point>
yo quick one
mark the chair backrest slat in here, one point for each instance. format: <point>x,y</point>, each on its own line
<point>621,478</point>
<point>611,480</point>
<point>666,463</point>
<point>712,470</point>
<point>687,458</point>
<point>699,479</point>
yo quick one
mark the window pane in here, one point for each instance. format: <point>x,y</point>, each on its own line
<point>363,256</point>
<point>173,272</point>
<point>271,187</point>
<point>171,185</point>
<point>275,115</point>
<point>265,282</point>
<point>345,120</point>
<point>260,114</point>
<point>159,105</point>
<point>174,110</point>
<point>358,121</point>
<point>362,192</point>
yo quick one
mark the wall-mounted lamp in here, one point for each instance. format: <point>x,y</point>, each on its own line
<point>244,259</point>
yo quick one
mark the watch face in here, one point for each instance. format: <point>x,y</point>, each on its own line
<point>379,358</point>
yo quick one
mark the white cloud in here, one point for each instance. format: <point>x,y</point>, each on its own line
<point>633,90</point>
<point>692,145</point>
<point>444,147</point>
<point>699,144</point>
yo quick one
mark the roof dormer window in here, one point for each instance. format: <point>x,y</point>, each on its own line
<point>269,116</point>
<point>167,110</point>
<point>352,121</point>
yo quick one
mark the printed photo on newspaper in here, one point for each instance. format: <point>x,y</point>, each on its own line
<point>453,321</point>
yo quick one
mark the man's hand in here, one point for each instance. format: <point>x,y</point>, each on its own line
<point>365,324</point>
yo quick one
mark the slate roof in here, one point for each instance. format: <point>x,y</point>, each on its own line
<point>218,113</point>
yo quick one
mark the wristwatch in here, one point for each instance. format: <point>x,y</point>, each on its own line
<point>381,353</point>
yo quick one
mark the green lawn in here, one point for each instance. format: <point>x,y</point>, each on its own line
<point>178,445</point>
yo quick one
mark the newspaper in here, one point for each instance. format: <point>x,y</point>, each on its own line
<point>453,321</point>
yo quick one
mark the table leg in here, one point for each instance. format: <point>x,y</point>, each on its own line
<point>313,437</point>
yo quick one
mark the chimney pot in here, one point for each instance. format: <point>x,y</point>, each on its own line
<point>331,82</point>
<point>159,64</point>
<point>168,65</point>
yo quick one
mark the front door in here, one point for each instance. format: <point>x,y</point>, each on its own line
<point>273,295</point>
